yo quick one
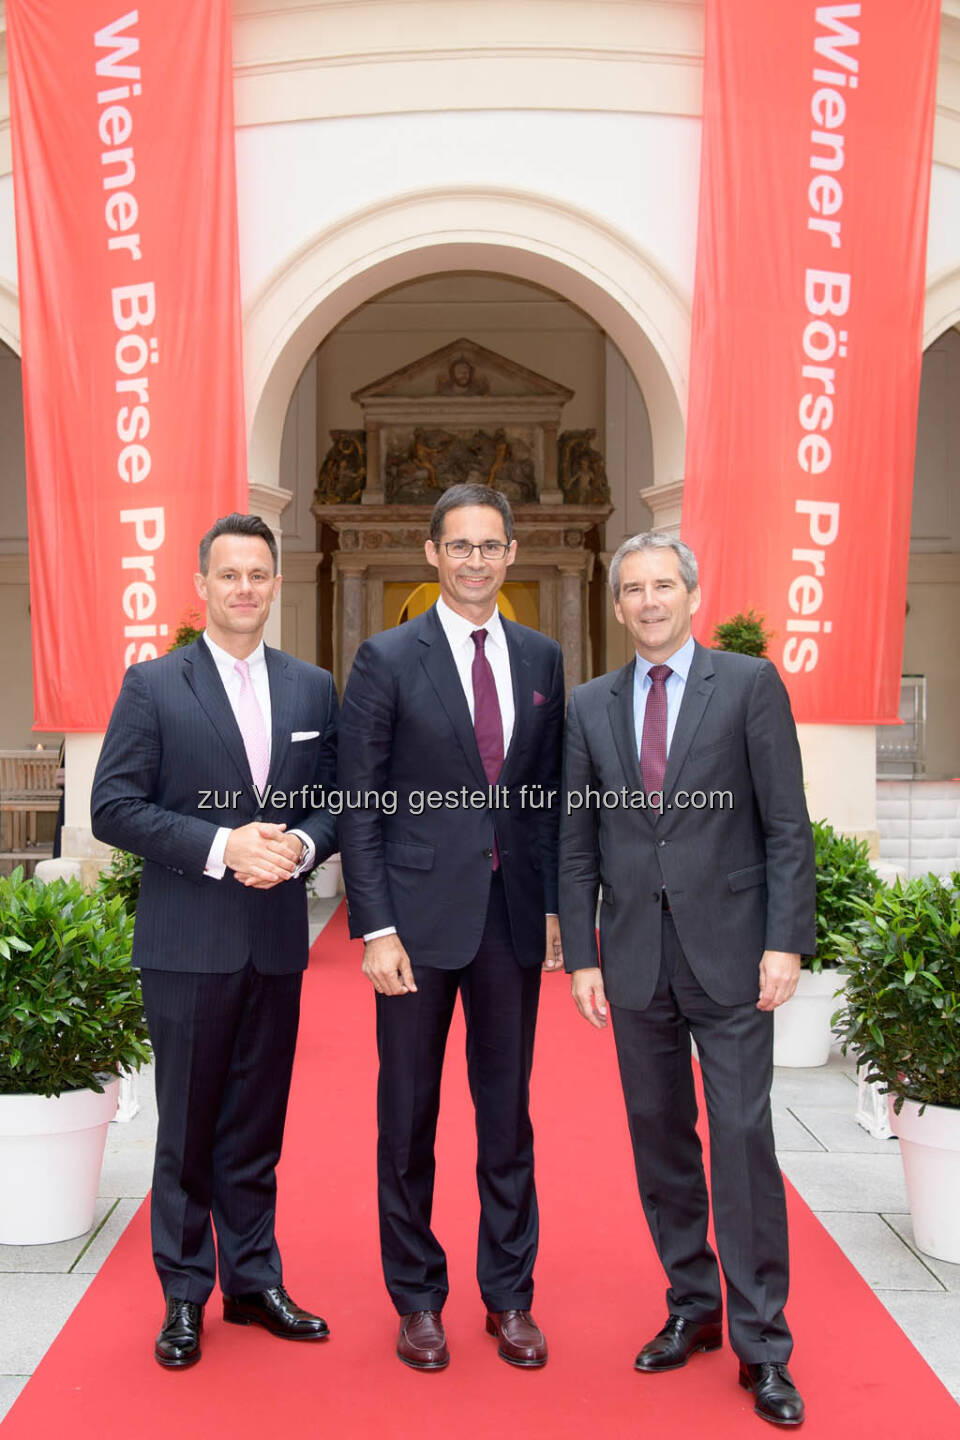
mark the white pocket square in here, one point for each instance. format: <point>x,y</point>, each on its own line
<point>304,735</point>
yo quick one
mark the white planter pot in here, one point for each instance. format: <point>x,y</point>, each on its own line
<point>930,1146</point>
<point>51,1151</point>
<point>801,1027</point>
<point>325,880</point>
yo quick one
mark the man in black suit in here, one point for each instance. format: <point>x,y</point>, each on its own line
<point>207,771</point>
<point>451,744</point>
<point>703,861</point>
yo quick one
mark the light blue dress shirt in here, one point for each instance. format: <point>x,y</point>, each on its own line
<point>679,662</point>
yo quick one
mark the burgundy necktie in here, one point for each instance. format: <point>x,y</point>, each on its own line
<point>487,720</point>
<point>653,741</point>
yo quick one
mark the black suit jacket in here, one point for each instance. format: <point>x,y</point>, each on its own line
<point>173,769</point>
<point>406,730</point>
<point>740,876</point>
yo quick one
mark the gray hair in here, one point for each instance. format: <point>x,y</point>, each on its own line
<point>655,540</point>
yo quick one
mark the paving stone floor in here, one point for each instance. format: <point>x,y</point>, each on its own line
<point>853,1183</point>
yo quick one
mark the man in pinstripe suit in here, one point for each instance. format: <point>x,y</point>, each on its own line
<point>212,758</point>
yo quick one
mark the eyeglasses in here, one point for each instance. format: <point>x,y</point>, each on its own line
<point>462,549</point>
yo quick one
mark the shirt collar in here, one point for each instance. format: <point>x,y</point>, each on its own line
<point>679,662</point>
<point>458,628</point>
<point>226,663</point>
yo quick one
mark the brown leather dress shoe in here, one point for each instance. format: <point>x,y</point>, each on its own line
<point>422,1342</point>
<point>178,1344</point>
<point>521,1339</point>
<point>676,1342</point>
<point>276,1312</point>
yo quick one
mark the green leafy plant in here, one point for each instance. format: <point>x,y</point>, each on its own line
<point>70,1005</point>
<point>844,878</point>
<point>189,629</point>
<point>123,879</point>
<point>902,1011</point>
<point>744,633</point>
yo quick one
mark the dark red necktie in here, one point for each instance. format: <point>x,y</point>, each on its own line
<point>487,720</point>
<point>653,740</point>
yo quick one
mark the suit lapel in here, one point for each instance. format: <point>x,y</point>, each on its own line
<point>283,707</point>
<point>623,725</point>
<point>697,694</point>
<point>437,660</point>
<point>522,686</point>
<point>204,680</point>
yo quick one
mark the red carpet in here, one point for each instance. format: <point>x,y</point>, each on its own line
<point>599,1287</point>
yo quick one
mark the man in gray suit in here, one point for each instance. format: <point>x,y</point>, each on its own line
<point>684,812</point>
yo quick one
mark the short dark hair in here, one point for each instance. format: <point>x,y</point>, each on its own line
<point>459,496</point>
<point>237,525</point>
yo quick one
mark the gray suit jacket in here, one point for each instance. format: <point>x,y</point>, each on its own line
<point>739,872</point>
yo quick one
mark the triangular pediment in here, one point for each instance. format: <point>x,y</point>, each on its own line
<point>462,370</point>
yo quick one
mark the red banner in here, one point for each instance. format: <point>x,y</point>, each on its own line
<point>125,192</point>
<point>807,328</point>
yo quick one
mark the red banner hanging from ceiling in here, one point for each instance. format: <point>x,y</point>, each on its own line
<point>125,192</point>
<point>807,333</point>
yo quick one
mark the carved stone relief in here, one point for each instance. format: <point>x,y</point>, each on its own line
<point>343,473</point>
<point>583,475</point>
<point>423,463</point>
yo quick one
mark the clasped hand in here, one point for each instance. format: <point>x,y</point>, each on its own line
<point>262,855</point>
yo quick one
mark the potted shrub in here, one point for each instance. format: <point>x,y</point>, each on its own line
<point>802,1033</point>
<point>902,1015</point>
<point>70,1018</point>
<point>744,633</point>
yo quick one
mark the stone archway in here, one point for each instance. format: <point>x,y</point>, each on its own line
<point>529,237</point>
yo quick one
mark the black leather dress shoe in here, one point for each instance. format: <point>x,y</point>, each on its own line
<point>777,1398</point>
<point>178,1344</point>
<point>276,1312</point>
<point>676,1342</point>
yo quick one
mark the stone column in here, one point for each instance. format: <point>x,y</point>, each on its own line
<point>269,502</point>
<point>352,627</point>
<point>373,491</point>
<point>81,753</point>
<point>570,626</point>
<point>550,492</point>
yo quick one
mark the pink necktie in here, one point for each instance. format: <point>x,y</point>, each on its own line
<point>653,740</point>
<point>250,719</point>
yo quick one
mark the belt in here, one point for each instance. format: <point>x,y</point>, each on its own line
<point>664,900</point>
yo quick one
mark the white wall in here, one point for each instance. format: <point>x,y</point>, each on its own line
<point>638,172</point>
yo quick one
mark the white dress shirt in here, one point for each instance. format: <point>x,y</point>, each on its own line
<point>227,670</point>
<point>676,682</point>
<point>458,631</point>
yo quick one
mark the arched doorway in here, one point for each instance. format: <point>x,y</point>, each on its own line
<point>532,348</point>
<point>529,238</point>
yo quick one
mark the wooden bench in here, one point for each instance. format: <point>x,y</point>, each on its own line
<point>28,789</point>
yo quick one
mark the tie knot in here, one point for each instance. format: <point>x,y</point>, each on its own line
<point>479,638</point>
<point>659,673</point>
<point>242,668</point>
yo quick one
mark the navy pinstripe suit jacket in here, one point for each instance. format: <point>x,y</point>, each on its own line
<point>173,769</point>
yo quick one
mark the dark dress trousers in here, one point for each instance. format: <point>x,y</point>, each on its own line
<point>738,877</point>
<point>221,964</point>
<point>406,731</point>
